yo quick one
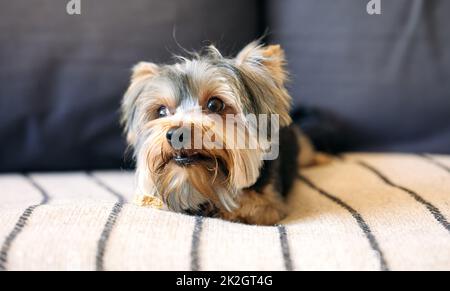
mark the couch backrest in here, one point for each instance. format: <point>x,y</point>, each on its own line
<point>62,77</point>
<point>380,82</point>
<point>376,82</point>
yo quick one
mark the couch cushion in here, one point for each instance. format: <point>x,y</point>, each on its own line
<point>62,77</point>
<point>379,82</point>
<point>361,212</point>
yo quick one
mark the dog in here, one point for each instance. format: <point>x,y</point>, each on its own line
<point>166,106</point>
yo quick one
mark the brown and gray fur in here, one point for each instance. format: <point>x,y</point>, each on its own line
<point>234,184</point>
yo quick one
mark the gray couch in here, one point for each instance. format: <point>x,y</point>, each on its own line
<point>360,82</point>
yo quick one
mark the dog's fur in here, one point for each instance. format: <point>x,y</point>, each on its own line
<point>234,184</point>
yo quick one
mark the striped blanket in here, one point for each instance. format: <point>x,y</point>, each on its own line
<point>361,212</point>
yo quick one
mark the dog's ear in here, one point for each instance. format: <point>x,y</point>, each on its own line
<point>262,69</point>
<point>139,74</point>
<point>271,57</point>
<point>144,69</point>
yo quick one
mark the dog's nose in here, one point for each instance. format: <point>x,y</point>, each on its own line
<point>170,133</point>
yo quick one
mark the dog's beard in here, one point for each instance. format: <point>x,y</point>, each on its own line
<point>213,181</point>
<point>187,189</point>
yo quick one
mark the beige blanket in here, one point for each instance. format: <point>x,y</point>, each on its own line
<point>361,212</point>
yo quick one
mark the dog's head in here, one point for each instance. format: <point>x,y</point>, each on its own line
<point>194,125</point>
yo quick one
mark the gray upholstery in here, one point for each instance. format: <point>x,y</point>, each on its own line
<point>62,77</point>
<point>383,80</point>
<point>376,82</point>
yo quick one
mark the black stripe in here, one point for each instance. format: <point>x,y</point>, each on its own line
<point>359,219</point>
<point>431,208</point>
<point>20,224</point>
<point>109,225</point>
<point>44,194</point>
<point>106,234</point>
<point>285,248</point>
<point>435,162</point>
<point>196,234</point>
<point>120,197</point>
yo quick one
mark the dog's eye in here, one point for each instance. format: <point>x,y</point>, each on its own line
<point>215,105</point>
<point>163,111</point>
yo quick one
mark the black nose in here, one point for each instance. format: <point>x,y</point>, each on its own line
<point>171,132</point>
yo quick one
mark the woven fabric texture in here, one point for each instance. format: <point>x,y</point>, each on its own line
<point>360,212</point>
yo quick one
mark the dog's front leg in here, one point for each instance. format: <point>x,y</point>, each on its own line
<point>266,208</point>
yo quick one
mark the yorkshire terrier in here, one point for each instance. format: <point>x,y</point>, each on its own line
<point>174,118</point>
